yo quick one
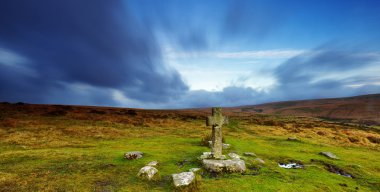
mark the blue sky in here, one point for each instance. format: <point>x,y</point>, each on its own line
<point>180,54</point>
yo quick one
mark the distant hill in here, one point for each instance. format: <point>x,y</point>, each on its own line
<point>364,109</point>
<point>360,109</point>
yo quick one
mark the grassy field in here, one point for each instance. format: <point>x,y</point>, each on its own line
<point>68,148</point>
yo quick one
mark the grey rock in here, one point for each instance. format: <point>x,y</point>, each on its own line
<point>226,146</point>
<point>260,160</point>
<point>205,155</point>
<point>147,172</point>
<point>183,179</point>
<point>249,154</point>
<point>195,170</point>
<point>208,155</point>
<point>153,164</point>
<point>234,155</point>
<point>219,166</point>
<point>133,155</point>
<point>329,155</point>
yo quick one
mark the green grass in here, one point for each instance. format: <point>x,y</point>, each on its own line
<point>64,154</point>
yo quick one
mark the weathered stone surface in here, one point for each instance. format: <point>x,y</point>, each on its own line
<point>195,170</point>
<point>183,179</point>
<point>219,166</point>
<point>153,164</point>
<point>224,145</point>
<point>147,172</point>
<point>260,160</point>
<point>234,155</point>
<point>249,154</point>
<point>208,155</point>
<point>216,121</point>
<point>133,155</point>
<point>329,155</point>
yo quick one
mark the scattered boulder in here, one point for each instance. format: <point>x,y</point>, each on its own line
<point>153,164</point>
<point>195,170</point>
<point>234,155</point>
<point>260,160</point>
<point>183,179</point>
<point>329,155</point>
<point>133,155</point>
<point>249,154</point>
<point>219,166</point>
<point>147,172</point>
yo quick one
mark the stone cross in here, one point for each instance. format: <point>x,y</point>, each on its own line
<point>216,121</point>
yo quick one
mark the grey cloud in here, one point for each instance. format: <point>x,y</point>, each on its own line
<point>96,43</point>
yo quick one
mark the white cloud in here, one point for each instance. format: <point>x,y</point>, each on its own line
<point>261,54</point>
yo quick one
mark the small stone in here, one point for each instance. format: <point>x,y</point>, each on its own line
<point>234,155</point>
<point>249,154</point>
<point>133,155</point>
<point>260,160</point>
<point>183,179</point>
<point>147,172</point>
<point>205,155</point>
<point>226,146</point>
<point>329,155</point>
<point>219,166</point>
<point>194,170</point>
<point>153,163</point>
<point>292,139</point>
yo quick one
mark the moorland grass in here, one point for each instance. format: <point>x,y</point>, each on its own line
<point>83,151</point>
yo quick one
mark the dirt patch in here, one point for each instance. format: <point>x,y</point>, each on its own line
<point>334,169</point>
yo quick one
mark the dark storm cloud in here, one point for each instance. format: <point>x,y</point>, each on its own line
<point>97,43</point>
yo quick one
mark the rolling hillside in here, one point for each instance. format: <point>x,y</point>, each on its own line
<point>360,109</point>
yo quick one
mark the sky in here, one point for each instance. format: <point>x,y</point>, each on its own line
<point>187,54</point>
